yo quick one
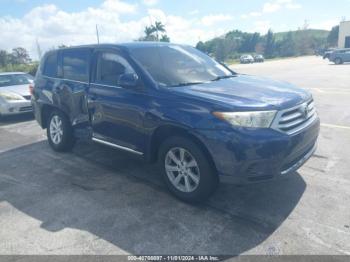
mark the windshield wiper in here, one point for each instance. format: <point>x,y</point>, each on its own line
<point>223,77</point>
<point>186,84</point>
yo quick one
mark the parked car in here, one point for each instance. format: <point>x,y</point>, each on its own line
<point>171,104</point>
<point>246,59</point>
<point>328,52</point>
<point>259,59</point>
<point>14,93</point>
<point>340,56</point>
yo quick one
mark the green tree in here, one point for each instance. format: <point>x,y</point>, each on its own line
<point>304,42</point>
<point>149,31</point>
<point>287,46</point>
<point>20,55</point>
<point>158,27</point>
<point>4,58</point>
<point>165,38</point>
<point>332,39</point>
<point>153,33</point>
<point>270,45</point>
<point>201,47</point>
<point>249,42</point>
<point>254,41</point>
<point>220,54</point>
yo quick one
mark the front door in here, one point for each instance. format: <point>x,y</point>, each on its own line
<point>116,112</point>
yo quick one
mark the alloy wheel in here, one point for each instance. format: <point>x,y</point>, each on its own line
<point>56,129</point>
<point>182,169</point>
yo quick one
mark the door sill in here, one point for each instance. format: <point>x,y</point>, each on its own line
<point>100,141</point>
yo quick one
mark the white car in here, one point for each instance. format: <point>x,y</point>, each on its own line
<point>246,59</point>
<point>14,93</point>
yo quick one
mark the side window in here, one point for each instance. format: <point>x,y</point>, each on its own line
<point>76,65</point>
<point>110,66</point>
<point>51,65</point>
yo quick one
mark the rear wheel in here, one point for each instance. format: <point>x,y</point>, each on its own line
<point>187,170</point>
<point>338,61</point>
<point>60,132</point>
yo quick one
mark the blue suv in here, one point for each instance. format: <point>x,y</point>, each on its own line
<point>171,104</point>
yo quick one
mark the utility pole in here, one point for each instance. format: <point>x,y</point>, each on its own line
<point>97,35</point>
<point>38,49</point>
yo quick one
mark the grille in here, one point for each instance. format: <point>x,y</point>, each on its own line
<point>27,97</point>
<point>26,108</point>
<point>293,120</point>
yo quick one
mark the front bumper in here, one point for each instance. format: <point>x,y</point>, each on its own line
<point>15,107</point>
<point>245,155</point>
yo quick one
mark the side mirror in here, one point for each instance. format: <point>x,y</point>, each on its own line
<point>128,80</point>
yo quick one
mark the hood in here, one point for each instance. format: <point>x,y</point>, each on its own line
<point>249,92</point>
<point>22,90</point>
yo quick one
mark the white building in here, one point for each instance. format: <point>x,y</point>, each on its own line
<point>344,35</point>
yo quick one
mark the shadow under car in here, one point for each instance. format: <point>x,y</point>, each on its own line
<point>122,200</point>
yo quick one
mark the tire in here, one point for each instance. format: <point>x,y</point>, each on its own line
<point>61,139</point>
<point>202,180</point>
<point>338,61</point>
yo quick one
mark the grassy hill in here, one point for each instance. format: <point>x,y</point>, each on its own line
<point>282,44</point>
<point>315,33</point>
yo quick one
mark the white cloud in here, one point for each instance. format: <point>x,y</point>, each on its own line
<point>293,6</point>
<point>209,20</point>
<point>261,26</point>
<point>150,2</point>
<point>53,26</point>
<point>194,12</point>
<point>183,30</point>
<point>271,7</point>
<point>251,14</point>
<point>326,24</point>
<point>274,6</point>
<point>254,14</point>
<point>118,6</point>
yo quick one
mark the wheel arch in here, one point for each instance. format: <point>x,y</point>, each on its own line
<point>164,132</point>
<point>338,58</point>
<point>46,111</point>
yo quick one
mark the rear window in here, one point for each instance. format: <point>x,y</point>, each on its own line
<point>76,65</point>
<point>51,66</point>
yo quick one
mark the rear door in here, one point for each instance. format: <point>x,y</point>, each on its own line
<point>117,113</point>
<point>74,84</point>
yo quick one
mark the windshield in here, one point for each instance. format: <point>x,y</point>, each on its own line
<point>174,65</point>
<point>13,80</point>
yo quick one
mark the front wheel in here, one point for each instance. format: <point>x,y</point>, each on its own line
<point>338,61</point>
<point>187,170</point>
<point>60,132</point>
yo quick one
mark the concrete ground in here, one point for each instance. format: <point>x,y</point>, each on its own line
<point>96,200</point>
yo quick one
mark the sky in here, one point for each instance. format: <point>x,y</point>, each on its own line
<point>54,22</point>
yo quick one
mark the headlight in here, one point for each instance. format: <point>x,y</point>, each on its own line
<point>258,119</point>
<point>11,96</point>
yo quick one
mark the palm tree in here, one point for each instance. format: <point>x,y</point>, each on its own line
<point>152,33</point>
<point>165,38</point>
<point>149,30</point>
<point>158,27</point>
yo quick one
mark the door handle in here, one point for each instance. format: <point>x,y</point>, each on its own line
<point>92,97</point>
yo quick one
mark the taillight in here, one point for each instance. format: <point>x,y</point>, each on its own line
<point>31,89</point>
